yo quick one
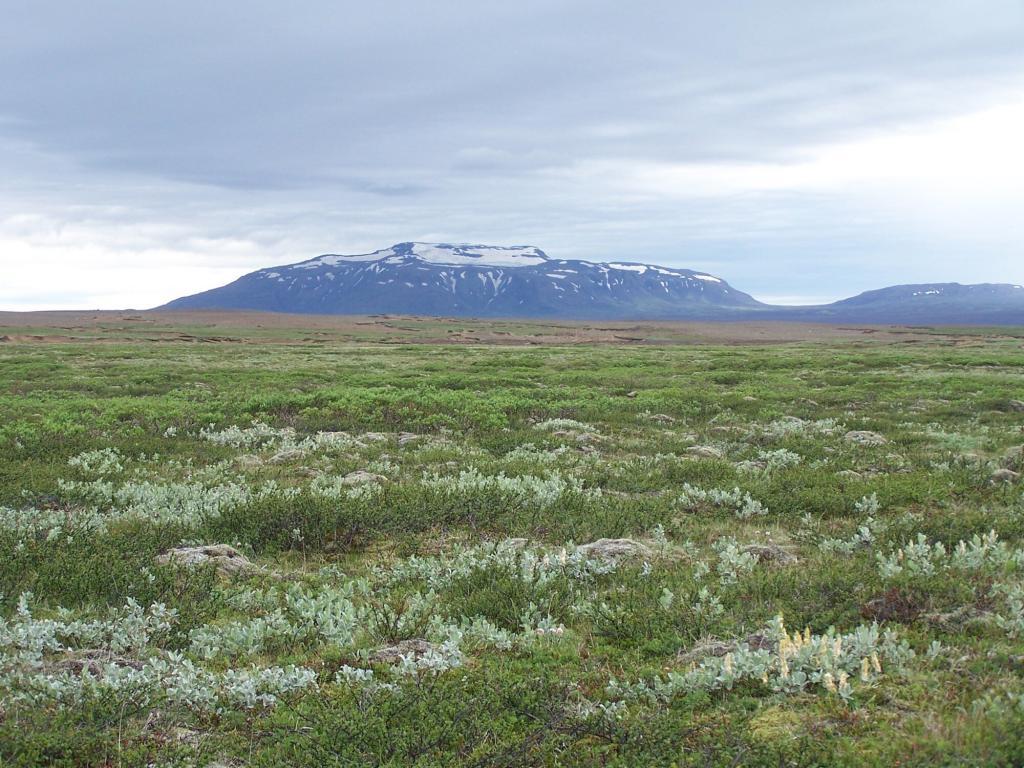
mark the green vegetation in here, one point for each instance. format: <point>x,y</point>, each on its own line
<point>819,555</point>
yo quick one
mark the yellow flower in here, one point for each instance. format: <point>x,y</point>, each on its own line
<point>876,663</point>
<point>865,669</point>
<point>828,682</point>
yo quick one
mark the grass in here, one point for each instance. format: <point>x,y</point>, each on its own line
<point>463,543</point>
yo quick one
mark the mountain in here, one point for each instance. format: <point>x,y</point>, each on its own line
<point>993,303</point>
<point>522,281</point>
<point>477,281</point>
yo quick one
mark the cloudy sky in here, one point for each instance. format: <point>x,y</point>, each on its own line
<point>802,150</point>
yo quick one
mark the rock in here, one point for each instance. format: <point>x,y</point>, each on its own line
<point>1016,405</point>
<point>374,436</point>
<point>404,438</point>
<point>93,662</point>
<point>894,605</point>
<point>864,437</point>
<point>958,618</point>
<point>849,474</point>
<point>771,553</point>
<point>662,418</point>
<point>580,437</point>
<point>228,560</point>
<point>724,430</point>
<point>361,476</point>
<point>1014,458</point>
<point>751,466</point>
<point>327,435</point>
<point>289,454</point>
<point>704,452</point>
<point>715,647</point>
<point>632,394</point>
<point>613,549</point>
<point>749,399</point>
<point>972,459</point>
<point>1004,476</point>
<point>391,654</point>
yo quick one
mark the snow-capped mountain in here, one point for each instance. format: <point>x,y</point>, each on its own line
<point>522,281</point>
<point>981,303</point>
<point>474,280</point>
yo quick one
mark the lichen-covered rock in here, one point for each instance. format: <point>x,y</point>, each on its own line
<point>228,560</point>
<point>361,477</point>
<point>712,646</point>
<point>92,662</point>
<point>771,553</point>
<point>391,654</point>
<point>404,438</point>
<point>289,454</point>
<point>864,437</point>
<point>614,549</point>
<point>1004,476</point>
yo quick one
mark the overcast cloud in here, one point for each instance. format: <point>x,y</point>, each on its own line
<point>804,151</point>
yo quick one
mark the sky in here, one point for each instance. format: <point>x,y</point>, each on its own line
<point>804,151</point>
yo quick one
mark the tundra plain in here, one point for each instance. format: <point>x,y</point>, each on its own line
<point>254,540</point>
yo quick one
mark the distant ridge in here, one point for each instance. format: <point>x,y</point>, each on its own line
<point>464,280</point>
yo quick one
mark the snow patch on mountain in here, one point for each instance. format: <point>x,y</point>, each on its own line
<point>442,254</point>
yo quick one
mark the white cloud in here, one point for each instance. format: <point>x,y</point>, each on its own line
<point>51,264</point>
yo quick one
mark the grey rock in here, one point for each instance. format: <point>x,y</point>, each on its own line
<point>865,437</point>
<point>715,647</point>
<point>93,662</point>
<point>228,560</point>
<point>289,454</point>
<point>361,477</point>
<point>391,654</point>
<point>614,549</point>
<point>771,553</point>
<point>404,438</point>
<point>1004,476</point>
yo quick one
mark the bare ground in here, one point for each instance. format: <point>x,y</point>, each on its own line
<point>72,327</point>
